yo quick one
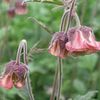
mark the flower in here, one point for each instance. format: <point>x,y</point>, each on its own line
<point>57,45</point>
<point>7,1</point>
<point>81,41</point>
<point>11,12</point>
<point>14,75</point>
<point>20,7</point>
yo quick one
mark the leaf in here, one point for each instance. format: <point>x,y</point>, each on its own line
<point>87,96</point>
<point>34,50</point>
<point>41,24</point>
<point>79,86</point>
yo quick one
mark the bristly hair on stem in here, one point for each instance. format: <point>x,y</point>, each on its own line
<point>44,1</point>
<point>64,26</point>
<point>23,45</point>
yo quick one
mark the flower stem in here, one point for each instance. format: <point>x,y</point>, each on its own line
<point>63,20</point>
<point>70,15</point>
<point>31,96</point>
<point>77,20</point>
<point>19,52</point>
<point>23,45</point>
<point>59,77</point>
<point>54,84</point>
<point>45,1</point>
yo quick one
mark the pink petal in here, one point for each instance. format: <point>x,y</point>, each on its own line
<point>6,82</point>
<point>21,11</point>
<point>21,8</point>
<point>19,84</point>
<point>77,44</point>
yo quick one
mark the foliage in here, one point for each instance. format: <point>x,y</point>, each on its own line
<point>80,74</point>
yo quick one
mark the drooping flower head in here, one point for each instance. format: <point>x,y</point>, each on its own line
<point>20,7</point>
<point>15,71</point>
<point>81,40</point>
<point>7,1</point>
<point>57,45</point>
<point>14,75</point>
<point>11,12</point>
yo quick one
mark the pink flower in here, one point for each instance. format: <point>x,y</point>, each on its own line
<point>11,12</point>
<point>20,8</point>
<point>14,75</point>
<point>81,41</point>
<point>7,1</point>
<point>57,45</point>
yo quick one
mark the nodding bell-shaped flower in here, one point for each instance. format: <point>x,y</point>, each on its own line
<point>81,41</point>
<point>20,7</point>
<point>7,1</point>
<point>15,71</point>
<point>14,75</point>
<point>57,45</point>
<point>11,12</point>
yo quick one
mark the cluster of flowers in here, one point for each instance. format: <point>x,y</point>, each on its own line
<point>77,41</point>
<point>16,7</point>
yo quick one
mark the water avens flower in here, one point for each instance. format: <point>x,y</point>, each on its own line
<point>15,71</point>
<point>11,12</point>
<point>7,1</point>
<point>14,75</point>
<point>20,7</point>
<point>57,45</point>
<point>81,41</point>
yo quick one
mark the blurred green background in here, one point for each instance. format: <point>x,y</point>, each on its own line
<point>81,75</point>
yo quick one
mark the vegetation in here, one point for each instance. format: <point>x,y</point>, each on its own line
<point>81,75</point>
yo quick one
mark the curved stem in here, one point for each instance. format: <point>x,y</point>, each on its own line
<point>77,20</point>
<point>58,75</point>
<point>23,45</point>
<point>19,52</point>
<point>45,1</point>
<point>63,20</point>
<point>27,76</point>
<point>70,16</point>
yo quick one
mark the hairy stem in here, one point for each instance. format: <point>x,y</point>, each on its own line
<point>77,20</point>
<point>27,77</point>
<point>45,1</point>
<point>23,45</point>
<point>54,84</point>
<point>59,77</point>
<point>70,16</point>
<point>19,52</point>
<point>63,21</point>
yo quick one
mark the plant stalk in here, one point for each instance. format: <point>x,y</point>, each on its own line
<point>23,45</point>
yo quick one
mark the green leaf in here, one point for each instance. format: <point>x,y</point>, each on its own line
<point>79,86</point>
<point>42,25</point>
<point>87,96</point>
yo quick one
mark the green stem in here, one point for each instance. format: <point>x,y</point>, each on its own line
<point>54,84</point>
<point>70,16</point>
<point>77,20</point>
<point>63,20</point>
<point>59,77</point>
<point>19,52</point>
<point>23,45</point>
<point>44,1</point>
<point>28,83</point>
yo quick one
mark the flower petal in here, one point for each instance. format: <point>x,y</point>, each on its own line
<point>6,82</point>
<point>19,84</point>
